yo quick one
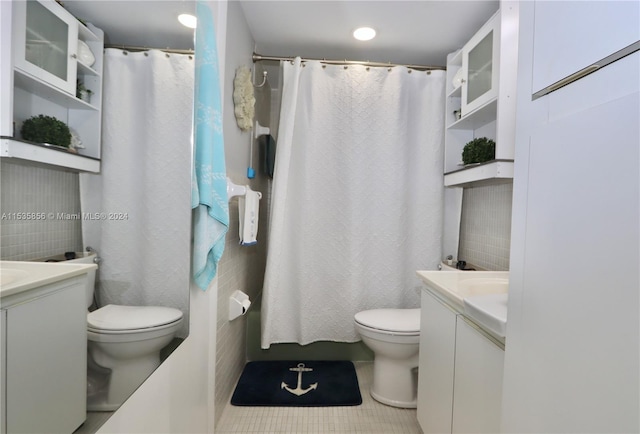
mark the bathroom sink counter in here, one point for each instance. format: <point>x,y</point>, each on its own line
<point>19,277</point>
<point>453,287</point>
<point>474,294</point>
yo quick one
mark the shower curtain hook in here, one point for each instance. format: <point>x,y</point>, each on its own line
<point>264,80</point>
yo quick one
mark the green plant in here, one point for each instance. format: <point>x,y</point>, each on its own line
<point>80,89</point>
<point>46,129</point>
<point>479,150</point>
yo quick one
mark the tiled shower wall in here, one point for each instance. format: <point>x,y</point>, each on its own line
<point>485,226</point>
<point>241,267</point>
<point>40,209</point>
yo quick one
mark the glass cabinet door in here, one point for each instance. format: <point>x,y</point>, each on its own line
<point>480,63</point>
<point>479,71</point>
<point>46,43</point>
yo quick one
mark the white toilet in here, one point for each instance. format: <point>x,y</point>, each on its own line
<point>394,337</point>
<point>124,344</point>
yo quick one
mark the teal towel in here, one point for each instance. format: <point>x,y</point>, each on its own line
<point>209,186</point>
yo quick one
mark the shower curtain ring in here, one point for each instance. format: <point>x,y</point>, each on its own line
<point>264,79</point>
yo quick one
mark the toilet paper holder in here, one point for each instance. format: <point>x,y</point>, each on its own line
<point>238,304</point>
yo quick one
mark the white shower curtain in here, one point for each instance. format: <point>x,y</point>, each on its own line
<point>357,198</point>
<point>144,188</point>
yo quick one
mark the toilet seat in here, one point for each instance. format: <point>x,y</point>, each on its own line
<point>118,319</point>
<point>401,322</point>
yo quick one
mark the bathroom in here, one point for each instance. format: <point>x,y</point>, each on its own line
<point>189,391</point>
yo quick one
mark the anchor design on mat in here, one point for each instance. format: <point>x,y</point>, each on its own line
<point>298,391</point>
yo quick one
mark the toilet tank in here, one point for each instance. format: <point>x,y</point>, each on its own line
<point>80,258</point>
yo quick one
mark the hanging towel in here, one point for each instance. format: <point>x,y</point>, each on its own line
<point>248,212</point>
<point>209,183</point>
<point>268,154</point>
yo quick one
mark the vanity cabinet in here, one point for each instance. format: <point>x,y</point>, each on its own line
<point>460,372</point>
<point>436,365</point>
<point>44,352</point>
<point>50,54</point>
<point>480,89</point>
<point>477,387</point>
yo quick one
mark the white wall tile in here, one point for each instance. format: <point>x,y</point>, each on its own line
<point>485,226</point>
<point>40,196</point>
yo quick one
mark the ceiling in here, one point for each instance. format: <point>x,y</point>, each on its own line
<point>417,32</point>
<point>145,23</point>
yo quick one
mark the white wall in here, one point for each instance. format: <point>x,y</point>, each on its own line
<point>179,395</point>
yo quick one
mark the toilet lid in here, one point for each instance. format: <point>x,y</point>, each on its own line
<point>114,317</point>
<point>392,320</point>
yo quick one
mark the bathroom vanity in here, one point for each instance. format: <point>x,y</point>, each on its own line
<point>44,346</point>
<point>461,360</point>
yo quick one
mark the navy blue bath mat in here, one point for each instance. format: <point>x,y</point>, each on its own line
<point>298,384</point>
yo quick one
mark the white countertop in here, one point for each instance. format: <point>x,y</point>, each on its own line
<point>480,296</point>
<point>20,276</point>
<point>455,286</point>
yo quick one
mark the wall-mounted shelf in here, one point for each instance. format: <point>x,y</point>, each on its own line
<point>488,63</point>
<point>491,172</point>
<point>21,150</point>
<point>41,69</point>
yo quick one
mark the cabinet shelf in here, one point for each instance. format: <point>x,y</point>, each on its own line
<point>491,172</point>
<point>479,117</point>
<point>40,153</point>
<point>31,84</point>
<point>86,70</point>
<point>86,34</point>
<point>456,92</point>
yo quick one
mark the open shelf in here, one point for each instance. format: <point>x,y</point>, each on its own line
<point>481,116</point>
<point>491,172</point>
<point>36,86</point>
<point>19,149</point>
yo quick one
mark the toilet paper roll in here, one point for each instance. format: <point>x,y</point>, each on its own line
<point>238,304</point>
<point>245,306</point>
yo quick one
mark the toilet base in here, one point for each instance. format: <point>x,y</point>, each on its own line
<point>122,380</point>
<point>395,381</point>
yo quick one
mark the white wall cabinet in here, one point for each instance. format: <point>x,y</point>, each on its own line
<point>480,57</point>
<point>575,367</point>
<point>485,99</point>
<point>581,41</point>
<point>460,372</point>
<point>44,369</point>
<point>44,43</point>
<point>41,67</point>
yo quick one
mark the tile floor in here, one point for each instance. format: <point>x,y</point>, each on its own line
<point>369,418</point>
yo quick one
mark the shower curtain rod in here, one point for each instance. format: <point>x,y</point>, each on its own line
<point>135,48</point>
<point>258,57</point>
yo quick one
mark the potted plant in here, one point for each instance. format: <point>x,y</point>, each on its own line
<point>479,150</point>
<point>83,93</point>
<point>46,129</point>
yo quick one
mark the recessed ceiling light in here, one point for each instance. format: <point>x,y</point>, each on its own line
<point>188,20</point>
<point>364,33</point>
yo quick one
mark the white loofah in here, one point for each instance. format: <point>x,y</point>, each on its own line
<point>243,98</point>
